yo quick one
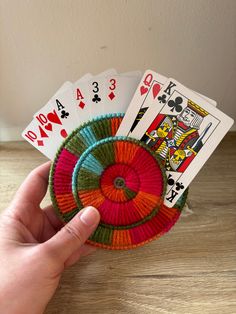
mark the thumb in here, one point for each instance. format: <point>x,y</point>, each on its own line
<point>73,235</point>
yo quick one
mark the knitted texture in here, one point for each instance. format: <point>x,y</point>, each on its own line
<point>120,176</point>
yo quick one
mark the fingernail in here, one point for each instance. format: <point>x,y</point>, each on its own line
<point>90,216</point>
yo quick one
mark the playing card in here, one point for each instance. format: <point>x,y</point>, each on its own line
<point>53,120</point>
<point>64,87</point>
<point>211,101</point>
<point>51,123</point>
<point>119,90</point>
<point>39,136</point>
<point>184,129</point>
<point>146,92</point>
<point>136,73</point>
<point>84,78</point>
<point>143,98</point>
<point>39,131</point>
<point>96,96</point>
<point>111,71</point>
<point>80,95</point>
<point>96,92</point>
<point>64,105</point>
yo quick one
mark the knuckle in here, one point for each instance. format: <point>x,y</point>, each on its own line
<point>74,233</point>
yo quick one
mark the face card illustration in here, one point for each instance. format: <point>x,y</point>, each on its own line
<point>146,92</point>
<point>185,131</point>
<point>119,90</point>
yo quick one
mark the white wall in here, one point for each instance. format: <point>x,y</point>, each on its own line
<point>44,43</point>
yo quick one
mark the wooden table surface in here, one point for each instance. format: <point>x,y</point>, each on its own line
<point>192,269</point>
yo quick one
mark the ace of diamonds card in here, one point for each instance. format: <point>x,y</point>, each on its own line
<point>183,129</point>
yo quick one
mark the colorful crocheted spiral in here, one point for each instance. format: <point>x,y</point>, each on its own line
<point>119,176</point>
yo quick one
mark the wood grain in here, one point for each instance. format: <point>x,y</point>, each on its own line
<point>192,269</point>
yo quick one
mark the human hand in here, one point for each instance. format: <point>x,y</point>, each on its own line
<point>35,247</point>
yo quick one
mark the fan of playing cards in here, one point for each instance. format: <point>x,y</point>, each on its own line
<point>128,145</point>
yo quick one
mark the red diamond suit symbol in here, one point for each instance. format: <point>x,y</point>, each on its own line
<point>111,96</point>
<point>81,105</point>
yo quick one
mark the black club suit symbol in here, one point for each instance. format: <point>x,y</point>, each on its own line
<point>96,98</point>
<point>179,186</point>
<point>64,114</point>
<point>162,99</point>
<point>175,104</point>
<point>170,180</point>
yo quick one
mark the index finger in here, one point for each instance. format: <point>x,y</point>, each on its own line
<point>34,187</point>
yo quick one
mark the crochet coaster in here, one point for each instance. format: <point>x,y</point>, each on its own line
<point>120,176</point>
